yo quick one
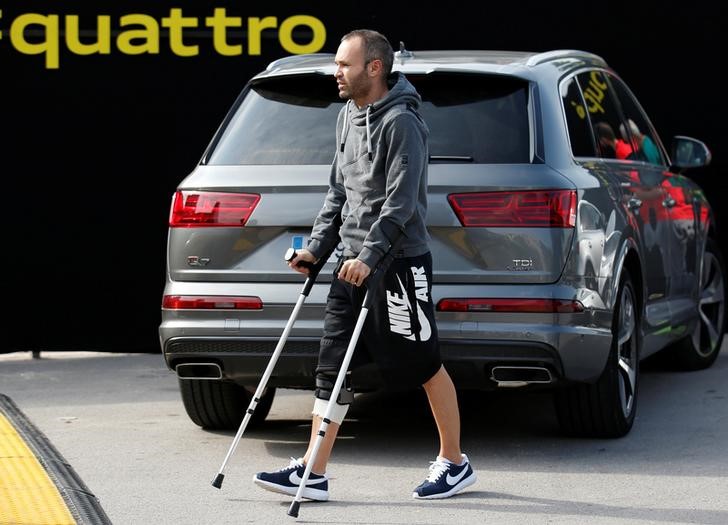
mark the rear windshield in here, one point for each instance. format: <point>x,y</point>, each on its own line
<point>291,120</point>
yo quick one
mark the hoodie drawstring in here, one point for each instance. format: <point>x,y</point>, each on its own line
<point>369,136</point>
<point>345,129</point>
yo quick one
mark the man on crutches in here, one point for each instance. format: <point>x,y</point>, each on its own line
<point>378,185</point>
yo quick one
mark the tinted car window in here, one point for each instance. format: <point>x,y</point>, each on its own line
<point>580,133</point>
<point>605,117</point>
<point>481,117</point>
<point>636,127</point>
<point>290,120</point>
<point>287,120</point>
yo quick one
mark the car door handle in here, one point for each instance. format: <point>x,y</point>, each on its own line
<point>634,203</point>
<point>669,202</point>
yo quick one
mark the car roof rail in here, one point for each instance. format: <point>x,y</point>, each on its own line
<point>296,59</point>
<point>564,53</point>
<point>403,53</point>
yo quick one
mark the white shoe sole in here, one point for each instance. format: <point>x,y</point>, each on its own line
<point>466,482</point>
<point>308,493</point>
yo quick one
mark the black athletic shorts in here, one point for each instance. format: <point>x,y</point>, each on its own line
<point>399,334</point>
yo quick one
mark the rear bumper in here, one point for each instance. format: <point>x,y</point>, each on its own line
<point>469,362</point>
<point>573,346</point>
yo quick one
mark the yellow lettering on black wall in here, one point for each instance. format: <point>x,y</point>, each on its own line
<point>285,35</point>
<point>219,22</point>
<point>255,26</point>
<point>49,46</point>
<point>138,41</point>
<point>137,34</point>
<point>103,37</point>
<point>176,24</point>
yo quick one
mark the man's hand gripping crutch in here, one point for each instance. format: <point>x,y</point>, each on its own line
<point>395,235</point>
<point>313,271</point>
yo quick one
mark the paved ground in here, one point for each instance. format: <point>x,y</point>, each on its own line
<point>118,419</point>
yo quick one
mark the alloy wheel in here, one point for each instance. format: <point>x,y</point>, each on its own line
<point>627,351</point>
<point>711,306</point>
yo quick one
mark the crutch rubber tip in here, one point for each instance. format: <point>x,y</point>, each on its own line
<point>293,510</point>
<point>217,482</point>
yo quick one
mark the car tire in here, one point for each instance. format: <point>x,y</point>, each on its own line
<point>221,405</point>
<point>606,408</point>
<point>700,349</point>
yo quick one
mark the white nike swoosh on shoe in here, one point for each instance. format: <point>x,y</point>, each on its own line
<point>308,492</point>
<point>295,479</point>
<point>454,480</point>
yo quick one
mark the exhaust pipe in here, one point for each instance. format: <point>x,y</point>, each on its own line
<point>198,371</point>
<point>519,376</point>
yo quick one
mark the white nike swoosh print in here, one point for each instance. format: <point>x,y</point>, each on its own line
<point>295,479</point>
<point>425,328</point>
<point>404,294</point>
<point>454,480</point>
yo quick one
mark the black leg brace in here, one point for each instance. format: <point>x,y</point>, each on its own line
<point>325,384</point>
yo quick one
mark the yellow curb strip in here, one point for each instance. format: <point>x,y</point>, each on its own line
<point>27,493</point>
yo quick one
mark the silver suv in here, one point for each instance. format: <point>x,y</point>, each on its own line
<point>567,244</point>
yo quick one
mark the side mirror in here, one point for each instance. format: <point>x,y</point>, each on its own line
<point>689,153</point>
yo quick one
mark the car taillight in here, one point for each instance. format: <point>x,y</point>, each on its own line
<point>211,302</point>
<point>534,208</point>
<point>207,208</point>
<point>510,305</point>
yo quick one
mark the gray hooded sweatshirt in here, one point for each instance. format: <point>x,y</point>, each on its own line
<point>379,171</point>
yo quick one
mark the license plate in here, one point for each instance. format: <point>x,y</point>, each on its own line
<point>300,241</point>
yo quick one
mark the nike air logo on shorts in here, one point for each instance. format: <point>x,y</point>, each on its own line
<point>399,308</point>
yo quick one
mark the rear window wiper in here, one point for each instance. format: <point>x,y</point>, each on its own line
<point>451,158</point>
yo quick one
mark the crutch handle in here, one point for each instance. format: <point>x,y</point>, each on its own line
<point>313,268</point>
<point>291,253</point>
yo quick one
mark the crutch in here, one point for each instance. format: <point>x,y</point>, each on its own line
<point>396,233</point>
<point>313,272</point>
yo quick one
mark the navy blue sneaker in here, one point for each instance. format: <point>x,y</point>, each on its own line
<point>287,480</point>
<point>445,479</point>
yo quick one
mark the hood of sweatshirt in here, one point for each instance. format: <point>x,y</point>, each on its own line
<point>400,92</point>
<point>390,186</point>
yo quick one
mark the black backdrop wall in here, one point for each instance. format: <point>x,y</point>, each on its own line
<point>92,150</point>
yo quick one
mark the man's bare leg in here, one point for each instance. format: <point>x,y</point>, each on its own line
<point>444,405</point>
<point>324,451</point>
